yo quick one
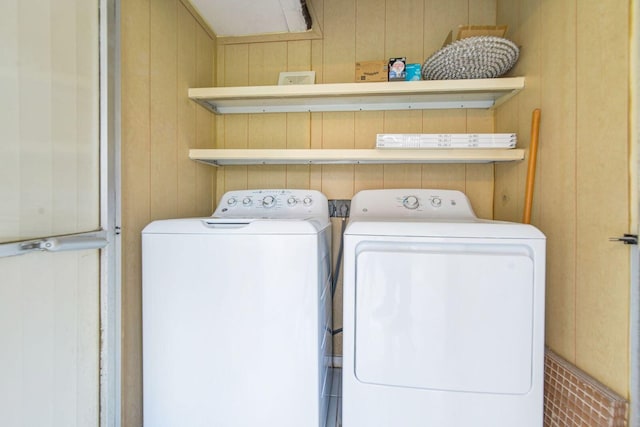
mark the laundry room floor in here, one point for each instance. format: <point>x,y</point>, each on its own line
<point>334,418</point>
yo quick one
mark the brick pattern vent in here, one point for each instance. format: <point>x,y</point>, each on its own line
<point>573,398</point>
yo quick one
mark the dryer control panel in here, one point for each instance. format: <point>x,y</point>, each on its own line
<point>412,203</point>
<point>272,204</point>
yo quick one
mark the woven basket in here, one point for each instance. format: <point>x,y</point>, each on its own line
<point>481,57</point>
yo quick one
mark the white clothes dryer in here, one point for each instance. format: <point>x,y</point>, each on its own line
<point>443,314</point>
<point>237,313</point>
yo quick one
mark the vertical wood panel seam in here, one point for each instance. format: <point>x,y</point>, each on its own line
<point>176,111</point>
<point>575,201</point>
<point>149,90</point>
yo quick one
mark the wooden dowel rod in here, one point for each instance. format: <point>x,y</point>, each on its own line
<point>531,168</point>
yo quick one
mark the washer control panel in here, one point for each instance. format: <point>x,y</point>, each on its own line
<point>272,204</point>
<point>412,203</point>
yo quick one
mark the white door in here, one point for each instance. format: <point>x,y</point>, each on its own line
<point>56,269</point>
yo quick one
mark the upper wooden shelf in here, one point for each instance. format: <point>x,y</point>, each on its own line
<point>229,157</point>
<point>413,95</point>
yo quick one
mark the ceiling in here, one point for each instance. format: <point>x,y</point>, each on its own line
<point>254,17</point>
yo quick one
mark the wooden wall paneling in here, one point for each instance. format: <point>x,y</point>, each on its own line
<point>450,176</point>
<point>298,136</point>
<point>186,126</point>
<point>507,193</point>
<point>338,132</point>
<point>404,36</point>
<point>235,136</point>
<point>367,125</point>
<point>220,121</point>
<point>508,13</point>
<point>480,177</point>
<point>529,39</point>
<point>404,30</point>
<point>370,30</point>
<point>298,125</point>
<point>339,41</point>
<point>370,46</point>
<point>408,175</point>
<point>315,119</point>
<point>516,113</point>
<point>316,137</point>
<point>298,56</point>
<point>338,66</point>
<point>236,73</point>
<point>163,112</point>
<point>602,315</point>
<point>440,18</point>
<point>482,12</point>
<point>206,129</point>
<point>136,169</point>
<point>266,61</point>
<point>554,199</point>
<point>267,131</point>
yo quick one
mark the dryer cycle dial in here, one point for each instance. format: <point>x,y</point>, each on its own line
<point>410,202</point>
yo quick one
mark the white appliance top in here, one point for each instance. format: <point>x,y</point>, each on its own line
<point>426,212</point>
<point>273,204</point>
<point>411,204</point>
<point>267,211</point>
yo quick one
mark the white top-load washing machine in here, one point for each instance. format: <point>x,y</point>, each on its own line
<point>237,313</point>
<point>443,314</point>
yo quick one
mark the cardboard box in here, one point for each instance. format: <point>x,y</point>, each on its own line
<point>371,71</point>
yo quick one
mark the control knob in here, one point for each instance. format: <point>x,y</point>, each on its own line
<point>411,202</point>
<point>246,202</point>
<point>307,201</point>
<point>232,201</point>
<point>436,202</point>
<point>291,201</point>
<point>268,201</point>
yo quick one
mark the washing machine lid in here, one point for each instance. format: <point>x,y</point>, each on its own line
<point>426,213</point>
<point>210,225</point>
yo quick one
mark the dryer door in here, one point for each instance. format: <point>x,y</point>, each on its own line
<point>452,317</point>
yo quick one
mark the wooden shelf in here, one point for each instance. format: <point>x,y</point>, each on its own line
<point>413,95</point>
<point>228,157</point>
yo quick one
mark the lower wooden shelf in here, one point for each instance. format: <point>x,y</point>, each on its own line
<point>229,157</point>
